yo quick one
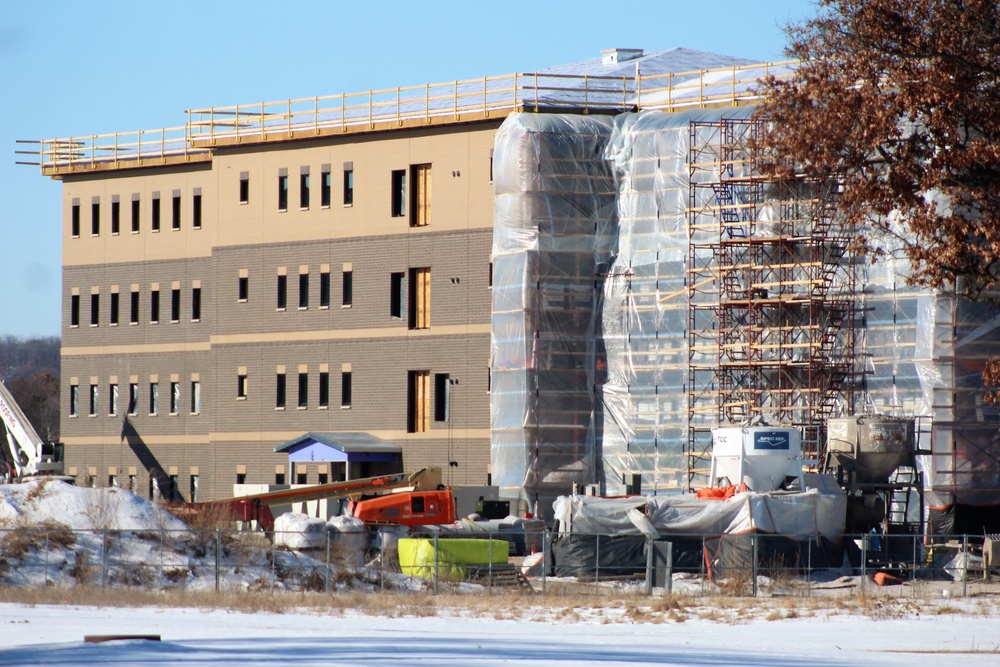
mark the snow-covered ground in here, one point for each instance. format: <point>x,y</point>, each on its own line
<point>53,635</point>
<point>915,633</point>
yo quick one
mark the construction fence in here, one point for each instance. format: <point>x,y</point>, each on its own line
<point>379,559</point>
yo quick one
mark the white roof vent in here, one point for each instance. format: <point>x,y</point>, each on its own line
<point>611,56</point>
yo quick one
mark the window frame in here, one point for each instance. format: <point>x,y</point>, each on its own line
<point>282,296</point>
<point>280,391</point>
<point>282,193</point>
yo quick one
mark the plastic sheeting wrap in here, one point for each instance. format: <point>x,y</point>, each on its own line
<point>553,230</point>
<point>589,383</point>
<point>805,514</point>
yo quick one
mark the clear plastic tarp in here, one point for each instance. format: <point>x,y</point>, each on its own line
<point>591,353</point>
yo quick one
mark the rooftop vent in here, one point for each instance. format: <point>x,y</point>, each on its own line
<point>611,56</point>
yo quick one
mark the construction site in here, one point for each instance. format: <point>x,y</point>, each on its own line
<point>663,320</point>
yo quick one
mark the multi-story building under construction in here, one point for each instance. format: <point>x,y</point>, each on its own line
<point>545,279</point>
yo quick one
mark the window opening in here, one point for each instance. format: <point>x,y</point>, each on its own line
<point>399,193</point>
<point>74,400</point>
<point>324,289</point>
<point>442,397</point>
<point>396,284</point>
<point>136,207</point>
<point>74,226</point>
<point>195,397</point>
<point>241,386</point>
<point>95,309</point>
<point>175,397</point>
<point>304,191</point>
<point>113,309</point>
<point>324,390</point>
<point>133,398</point>
<point>345,389</point>
<point>279,398</point>
<point>196,303</point>
<point>154,398</point>
<point>156,214</point>
<point>349,187</point>
<point>303,390</point>
<point>93,400</point>
<point>154,306</point>
<point>74,310</point>
<point>282,292</point>
<point>324,189</point>
<point>116,217</point>
<point>175,305</point>
<point>95,219</point>
<point>303,290</point>
<point>282,193</point>
<point>176,213</point>
<point>244,289</point>
<point>134,308</point>
<point>348,288</point>
<point>113,399</point>
<point>196,212</point>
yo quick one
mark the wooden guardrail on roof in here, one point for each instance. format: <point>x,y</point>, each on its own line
<point>393,108</point>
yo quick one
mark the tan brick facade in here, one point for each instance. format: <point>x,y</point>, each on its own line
<point>206,337</point>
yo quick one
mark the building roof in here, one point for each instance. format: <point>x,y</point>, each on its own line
<point>347,442</point>
<point>624,62</point>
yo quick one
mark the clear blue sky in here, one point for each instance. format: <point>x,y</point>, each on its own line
<point>72,68</point>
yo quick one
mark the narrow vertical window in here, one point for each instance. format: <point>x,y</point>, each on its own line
<point>279,393</point>
<point>283,192</point>
<point>420,199</point>
<point>95,309</point>
<point>95,218</point>
<point>195,490</point>
<point>195,304</point>
<point>136,207</point>
<point>325,184</point>
<point>134,308</point>
<point>154,306</point>
<point>113,399</point>
<point>303,390</point>
<point>324,389</point>
<point>244,187</point>
<point>420,298</point>
<point>399,193</point>
<point>303,291</point>
<point>195,397</point>
<point>418,402</point>
<point>116,217</point>
<point>154,398</point>
<point>93,400</point>
<point>74,225</point>
<point>175,305</point>
<point>396,285</point>
<point>133,398</point>
<point>442,397</point>
<point>113,309</point>
<point>74,310</point>
<point>345,389</point>
<point>282,292</point>
<point>196,210</point>
<point>244,289</point>
<point>156,212</point>
<point>348,288</point>
<point>241,385</point>
<point>175,212</point>
<point>324,289</point>
<point>74,400</point>
<point>348,184</point>
<point>175,397</point>
<point>304,190</point>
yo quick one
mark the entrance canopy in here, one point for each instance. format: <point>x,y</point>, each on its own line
<point>340,447</point>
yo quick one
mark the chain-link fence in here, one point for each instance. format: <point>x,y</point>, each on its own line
<point>382,558</point>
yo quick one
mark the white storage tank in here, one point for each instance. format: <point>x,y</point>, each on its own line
<point>765,458</point>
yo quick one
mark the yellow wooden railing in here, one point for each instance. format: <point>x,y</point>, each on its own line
<point>472,99</point>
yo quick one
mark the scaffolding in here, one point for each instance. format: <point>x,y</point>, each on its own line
<point>770,298</point>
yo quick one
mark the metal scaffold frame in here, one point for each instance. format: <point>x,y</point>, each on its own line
<point>771,294</point>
